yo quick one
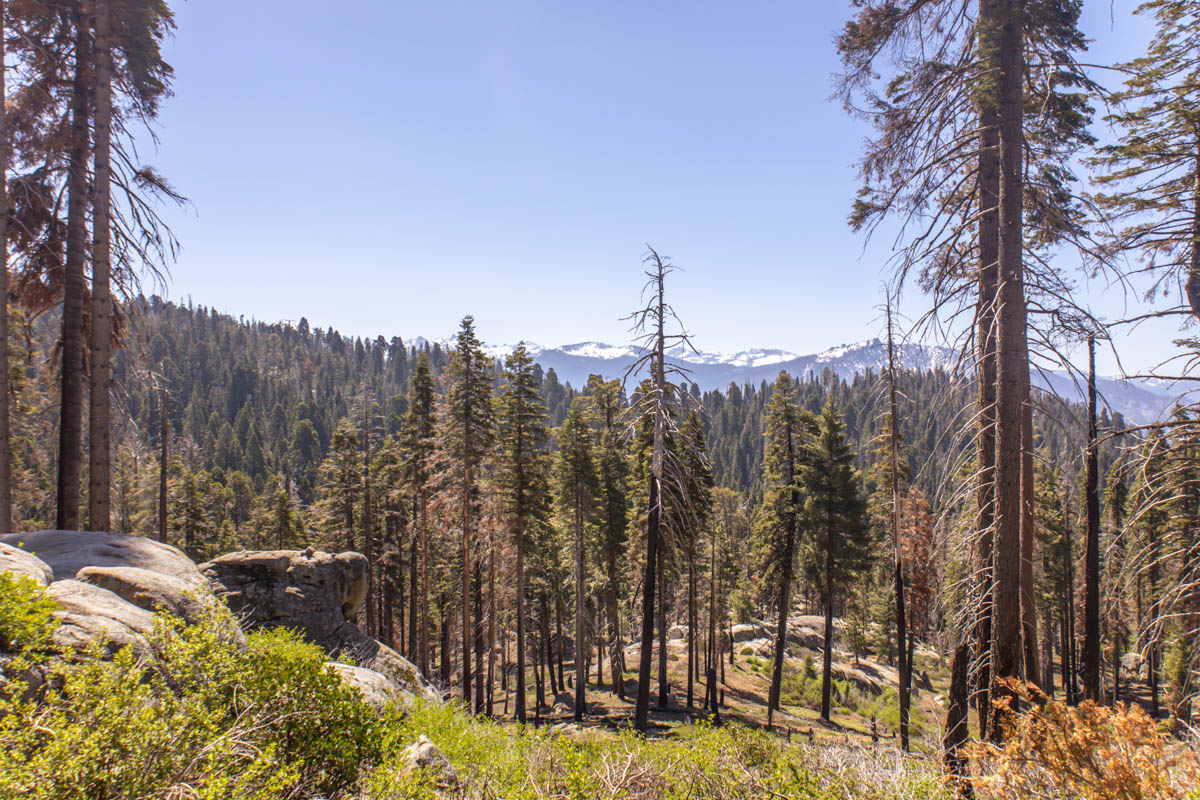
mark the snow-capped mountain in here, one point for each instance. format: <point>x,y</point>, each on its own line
<point>1140,402</point>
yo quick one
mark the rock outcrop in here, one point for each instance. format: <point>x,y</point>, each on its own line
<point>24,564</point>
<point>155,591</point>
<point>67,552</point>
<point>109,585</point>
<point>318,594</point>
<point>89,613</point>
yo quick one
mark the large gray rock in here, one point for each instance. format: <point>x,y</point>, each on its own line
<point>746,631</point>
<point>67,552</point>
<point>89,613</point>
<point>377,689</point>
<point>24,564</point>
<point>311,591</point>
<point>155,591</point>
<point>315,593</point>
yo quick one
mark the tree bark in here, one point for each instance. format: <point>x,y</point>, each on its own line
<point>581,646</point>
<point>70,428</point>
<point>414,647</point>
<point>691,622</point>
<point>901,621</point>
<point>162,462</point>
<point>616,655</point>
<point>6,524</point>
<point>664,685</point>
<point>1091,601</point>
<point>1029,631</point>
<point>520,699</point>
<point>649,578</point>
<point>956,725</point>
<point>100,425</point>
<point>1012,373</point>
<point>827,656</point>
<point>985,443</point>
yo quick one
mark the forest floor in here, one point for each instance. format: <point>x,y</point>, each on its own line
<point>864,706</point>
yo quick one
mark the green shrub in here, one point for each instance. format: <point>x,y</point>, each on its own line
<point>26,616</point>
<point>194,717</point>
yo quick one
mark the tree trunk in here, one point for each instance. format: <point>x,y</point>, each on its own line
<point>1091,601</point>
<point>491,628</point>
<point>560,640</point>
<point>985,443</point>
<point>414,646</point>
<point>466,584</point>
<point>479,636</point>
<point>616,654</point>
<point>162,462</point>
<point>642,709</point>
<point>956,725</point>
<point>424,632</point>
<point>6,524</point>
<point>100,426</point>
<point>581,646</point>
<point>710,673</point>
<point>539,676</point>
<point>546,643</point>
<point>1029,631</point>
<point>70,428</point>
<point>691,624</point>
<point>368,531</point>
<point>520,699</point>
<point>901,620</point>
<point>445,648</point>
<point>664,684</point>
<point>1012,373</point>
<point>827,657</point>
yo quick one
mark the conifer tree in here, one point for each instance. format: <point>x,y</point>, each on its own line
<point>700,488</point>
<point>523,481</point>
<point>577,488</point>
<point>787,430</point>
<point>612,472</point>
<point>835,514</point>
<point>463,437</point>
<point>417,435</point>
<point>340,478</point>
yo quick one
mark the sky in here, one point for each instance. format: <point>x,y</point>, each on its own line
<point>387,167</point>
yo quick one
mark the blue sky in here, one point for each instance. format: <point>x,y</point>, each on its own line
<point>387,167</point>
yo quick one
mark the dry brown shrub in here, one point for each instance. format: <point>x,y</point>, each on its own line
<point>1085,752</point>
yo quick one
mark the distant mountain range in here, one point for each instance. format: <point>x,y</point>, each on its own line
<point>1140,402</point>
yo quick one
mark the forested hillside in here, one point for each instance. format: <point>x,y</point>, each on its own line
<point>265,399</point>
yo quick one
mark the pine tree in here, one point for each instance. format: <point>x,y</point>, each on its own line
<point>575,474</point>
<point>700,499</point>
<point>463,437</point>
<point>340,488</point>
<point>523,480</point>
<point>835,514</point>
<point>787,430</point>
<point>613,470</point>
<point>417,436</point>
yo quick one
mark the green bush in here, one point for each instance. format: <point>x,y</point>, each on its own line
<point>195,717</point>
<point>26,616</point>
